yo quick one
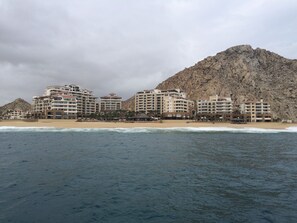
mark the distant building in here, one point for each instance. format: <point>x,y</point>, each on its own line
<point>256,111</point>
<point>67,102</point>
<point>111,102</point>
<point>16,114</point>
<point>216,108</point>
<point>169,103</point>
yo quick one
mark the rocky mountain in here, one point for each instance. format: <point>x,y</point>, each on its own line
<point>245,74</point>
<point>18,104</point>
<point>129,104</point>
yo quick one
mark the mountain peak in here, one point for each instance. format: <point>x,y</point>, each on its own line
<point>240,49</point>
<point>19,100</point>
<point>245,73</point>
<point>17,104</point>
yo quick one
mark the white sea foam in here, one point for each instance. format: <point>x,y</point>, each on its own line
<point>149,130</point>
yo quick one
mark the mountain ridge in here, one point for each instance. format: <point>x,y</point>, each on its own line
<point>245,74</point>
<point>18,104</point>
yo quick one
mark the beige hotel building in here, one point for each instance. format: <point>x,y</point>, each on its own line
<point>169,103</point>
<point>111,102</point>
<point>256,111</point>
<point>215,108</point>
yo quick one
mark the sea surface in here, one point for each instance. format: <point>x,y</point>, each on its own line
<point>147,175</point>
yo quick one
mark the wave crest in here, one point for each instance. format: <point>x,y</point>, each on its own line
<point>149,130</point>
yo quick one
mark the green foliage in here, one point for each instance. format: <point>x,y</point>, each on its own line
<point>112,115</point>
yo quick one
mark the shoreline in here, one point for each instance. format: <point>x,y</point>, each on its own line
<point>154,124</point>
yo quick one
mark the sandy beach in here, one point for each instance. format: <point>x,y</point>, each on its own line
<point>157,124</point>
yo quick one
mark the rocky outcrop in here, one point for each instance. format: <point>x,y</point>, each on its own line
<point>245,74</point>
<point>18,104</point>
<point>129,104</point>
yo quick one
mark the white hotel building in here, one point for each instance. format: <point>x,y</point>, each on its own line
<point>67,102</point>
<point>55,107</point>
<point>86,101</point>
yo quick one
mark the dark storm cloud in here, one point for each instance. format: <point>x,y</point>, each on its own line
<point>126,46</point>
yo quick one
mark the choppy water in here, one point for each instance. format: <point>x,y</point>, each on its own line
<point>145,175</point>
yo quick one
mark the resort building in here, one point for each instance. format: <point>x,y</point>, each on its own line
<point>216,108</point>
<point>111,102</point>
<point>16,114</point>
<point>146,101</point>
<point>168,103</point>
<point>55,107</point>
<point>97,106</point>
<point>256,111</point>
<point>86,101</point>
<point>67,102</point>
<point>177,107</point>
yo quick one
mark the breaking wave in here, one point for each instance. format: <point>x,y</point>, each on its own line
<point>149,130</point>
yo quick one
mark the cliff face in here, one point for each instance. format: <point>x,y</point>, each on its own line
<point>18,104</point>
<point>246,74</point>
<point>129,104</point>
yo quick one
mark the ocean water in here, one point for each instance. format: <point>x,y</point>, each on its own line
<point>147,175</point>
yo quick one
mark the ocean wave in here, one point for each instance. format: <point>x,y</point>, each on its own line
<point>149,130</point>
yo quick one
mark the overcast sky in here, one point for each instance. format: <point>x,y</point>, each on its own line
<point>126,46</point>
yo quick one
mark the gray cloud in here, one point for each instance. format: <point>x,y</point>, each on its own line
<point>126,46</point>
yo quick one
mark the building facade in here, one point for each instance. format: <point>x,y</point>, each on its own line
<point>86,101</point>
<point>16,114</point>
<point>222,109</point>
<point>111,102</point>
<point>169,103</point>
<point>146,101</point>
<point>55,107</point>
<point>67,102</point>
<point>216,108</point>
<point>177,107</point>
<point>256,111</point>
